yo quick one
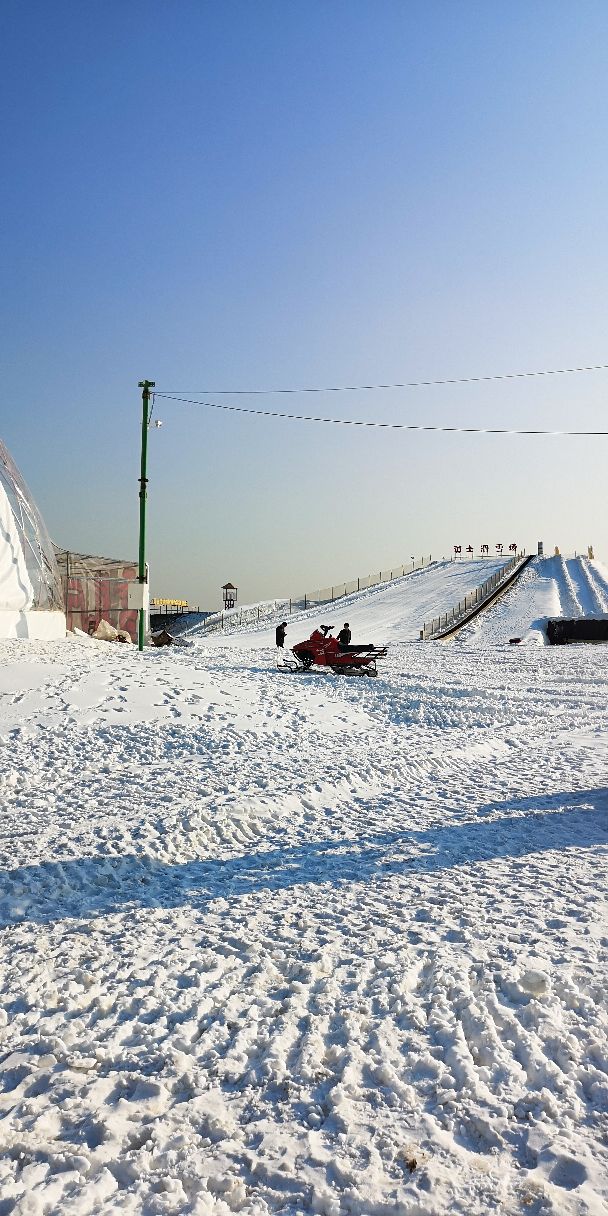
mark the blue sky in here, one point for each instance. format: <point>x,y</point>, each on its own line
<point>261,195</point>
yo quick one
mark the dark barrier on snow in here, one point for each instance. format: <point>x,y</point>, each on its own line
<point>583,629</point>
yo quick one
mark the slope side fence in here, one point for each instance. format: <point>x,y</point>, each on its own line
<point>234,618</point>
<point>440,625</point>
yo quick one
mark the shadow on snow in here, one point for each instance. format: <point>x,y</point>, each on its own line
<point>94,886</point>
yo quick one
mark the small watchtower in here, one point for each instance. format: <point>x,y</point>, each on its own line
<point>229,595</point>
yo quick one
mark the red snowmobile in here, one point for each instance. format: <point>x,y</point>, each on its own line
<point>323,650</point>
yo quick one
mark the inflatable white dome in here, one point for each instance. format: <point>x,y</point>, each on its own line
<point>30,588</point>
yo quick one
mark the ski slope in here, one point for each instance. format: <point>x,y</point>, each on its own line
<point>394,612</point>
<point>548,587</point>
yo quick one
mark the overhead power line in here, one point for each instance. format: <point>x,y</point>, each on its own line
<point>365,388</point>
<point>391,426</point>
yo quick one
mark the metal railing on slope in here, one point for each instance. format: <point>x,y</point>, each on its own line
<point>440,625</point>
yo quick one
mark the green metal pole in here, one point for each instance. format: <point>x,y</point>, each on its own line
<point>145,386</point>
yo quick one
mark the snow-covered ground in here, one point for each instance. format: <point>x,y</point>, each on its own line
<point>294,944</point>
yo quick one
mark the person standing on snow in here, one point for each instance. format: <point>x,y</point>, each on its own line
<point>344,635</point>
<point>280,634</point>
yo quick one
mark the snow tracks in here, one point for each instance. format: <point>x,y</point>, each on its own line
<point>282,947</point>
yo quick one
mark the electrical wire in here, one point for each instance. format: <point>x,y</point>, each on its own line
<point>364,388</point>
<point>391,426</point>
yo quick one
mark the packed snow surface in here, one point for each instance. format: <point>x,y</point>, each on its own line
<point>281,944</point>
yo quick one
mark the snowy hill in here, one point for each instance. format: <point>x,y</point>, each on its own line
<point>395,612</point>
<point>392,612</point>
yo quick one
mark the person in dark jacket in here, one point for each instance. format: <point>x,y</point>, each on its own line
<point>345,635</point>
<point>280,634</point>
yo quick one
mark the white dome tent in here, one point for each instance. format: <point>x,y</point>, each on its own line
<point>31,602</point>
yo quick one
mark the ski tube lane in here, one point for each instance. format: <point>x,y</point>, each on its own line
<point>599,583</point>
<point>585,593</point>
<point>600,574</point>
<point>567,590</point>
